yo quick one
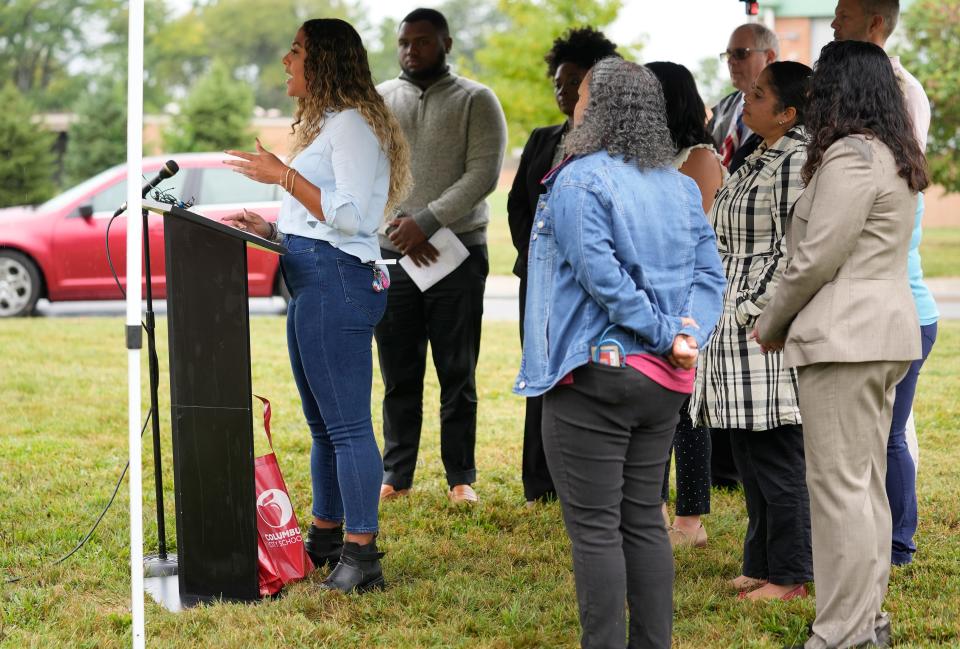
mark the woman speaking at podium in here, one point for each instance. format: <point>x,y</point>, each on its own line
<point>350,163</point>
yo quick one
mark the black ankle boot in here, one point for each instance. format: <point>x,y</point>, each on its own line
<point>324,545</point>
<point>358,571</point>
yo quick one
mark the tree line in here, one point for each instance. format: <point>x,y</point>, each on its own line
<point>221,58</point>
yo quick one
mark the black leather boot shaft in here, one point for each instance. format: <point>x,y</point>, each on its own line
<point>359,570</point>
<point>324,545</point>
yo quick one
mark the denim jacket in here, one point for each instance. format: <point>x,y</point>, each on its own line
<point>613,244</point>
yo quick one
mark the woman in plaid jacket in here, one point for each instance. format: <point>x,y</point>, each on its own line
<point>739,389</point>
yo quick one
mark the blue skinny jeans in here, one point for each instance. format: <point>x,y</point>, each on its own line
<point>330,319</point>
<point>901,472</point>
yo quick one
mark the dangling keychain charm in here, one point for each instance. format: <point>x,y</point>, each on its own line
<point>380,280</point>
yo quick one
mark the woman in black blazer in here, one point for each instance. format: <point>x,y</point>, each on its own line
<point>568,61</point>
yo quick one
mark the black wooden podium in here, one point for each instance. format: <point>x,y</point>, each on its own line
<point>210,395</point>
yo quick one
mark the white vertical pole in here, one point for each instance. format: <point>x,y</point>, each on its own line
<point>134,260</point>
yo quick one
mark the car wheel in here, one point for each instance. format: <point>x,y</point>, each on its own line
<point>19,284</point>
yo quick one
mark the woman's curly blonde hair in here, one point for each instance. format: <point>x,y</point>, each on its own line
<point>338,78</point>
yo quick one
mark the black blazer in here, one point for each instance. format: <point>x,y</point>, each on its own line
<point>535,162</point>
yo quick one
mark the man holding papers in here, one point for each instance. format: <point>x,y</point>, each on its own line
<point>457,135</point>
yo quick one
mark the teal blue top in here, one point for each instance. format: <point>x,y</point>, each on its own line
<point>922,297</point>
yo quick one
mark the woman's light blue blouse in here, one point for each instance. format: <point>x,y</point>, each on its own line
<point>347,163</point>
<point>922,297</point>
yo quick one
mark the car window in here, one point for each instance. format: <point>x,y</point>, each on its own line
<point>109,199</point>
<point>222,186</point>
<point>112,197</point>
<point>62,200</point>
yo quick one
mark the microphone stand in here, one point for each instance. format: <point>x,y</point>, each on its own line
<point>161,565</point>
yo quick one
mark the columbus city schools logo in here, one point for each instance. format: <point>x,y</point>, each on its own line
<point>274,508</point>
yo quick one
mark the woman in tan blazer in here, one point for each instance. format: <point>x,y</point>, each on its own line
<point>846,315</point>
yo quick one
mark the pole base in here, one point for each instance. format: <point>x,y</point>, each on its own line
<point>154,566</point>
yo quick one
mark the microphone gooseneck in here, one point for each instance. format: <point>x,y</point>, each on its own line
<point>169,169</point>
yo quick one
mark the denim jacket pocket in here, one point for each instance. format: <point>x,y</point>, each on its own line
<point>357,281</point>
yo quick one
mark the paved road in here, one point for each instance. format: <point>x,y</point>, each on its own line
<point>947,293</point>
<point>500,302</point>
<point>112,308</point>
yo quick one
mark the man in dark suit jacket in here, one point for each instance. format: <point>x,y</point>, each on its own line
<point>751,48</point>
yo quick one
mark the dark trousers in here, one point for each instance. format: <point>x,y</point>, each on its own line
<point>771,464</point>
<point>448,316</point>
<point>692,450</point>
<point>535,474</point>
<point>901,472</point>
<point>606,438</point>
<point>723,470</point>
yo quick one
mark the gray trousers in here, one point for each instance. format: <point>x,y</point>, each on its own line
<point>846,410</point>
<point>607,437</point>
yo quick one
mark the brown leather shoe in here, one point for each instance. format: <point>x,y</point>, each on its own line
<point>387,492</point>
<point>680,538</point>
<point>462,494</point>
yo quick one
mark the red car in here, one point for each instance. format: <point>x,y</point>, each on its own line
<point>57,250</point>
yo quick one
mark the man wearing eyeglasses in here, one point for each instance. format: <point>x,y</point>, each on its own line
<point>752,47</point>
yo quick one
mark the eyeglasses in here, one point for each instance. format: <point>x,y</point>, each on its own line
<point>740,53</point>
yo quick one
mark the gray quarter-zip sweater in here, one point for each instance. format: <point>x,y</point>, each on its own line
<point>457,135</point>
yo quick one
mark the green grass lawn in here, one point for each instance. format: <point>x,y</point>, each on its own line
<point>497,576</point>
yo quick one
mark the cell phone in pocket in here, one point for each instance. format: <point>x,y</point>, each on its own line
<point>606,355</point>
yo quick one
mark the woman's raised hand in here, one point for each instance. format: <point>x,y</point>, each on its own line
<point>262,166</point>
<point>249,222</point>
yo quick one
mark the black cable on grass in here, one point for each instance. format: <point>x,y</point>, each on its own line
<point>146,421</point>
<point>113,496</point>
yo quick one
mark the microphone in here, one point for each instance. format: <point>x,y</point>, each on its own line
<point>170,168</point>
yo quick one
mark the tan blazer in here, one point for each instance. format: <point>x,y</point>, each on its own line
<point>844,296</point>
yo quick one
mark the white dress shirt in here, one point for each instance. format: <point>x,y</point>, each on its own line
<point>918,105</point>
<point>347,163</point>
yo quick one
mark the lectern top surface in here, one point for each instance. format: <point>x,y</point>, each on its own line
<point>199,219</point>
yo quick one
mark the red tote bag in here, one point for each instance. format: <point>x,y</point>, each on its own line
<point>281,555</point>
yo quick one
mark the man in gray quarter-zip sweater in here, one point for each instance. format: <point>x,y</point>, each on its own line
<point>457,135</point>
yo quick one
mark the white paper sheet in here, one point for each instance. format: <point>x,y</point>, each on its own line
<point>452,253</point>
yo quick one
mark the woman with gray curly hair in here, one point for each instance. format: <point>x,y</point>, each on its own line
<point>623,273</point>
